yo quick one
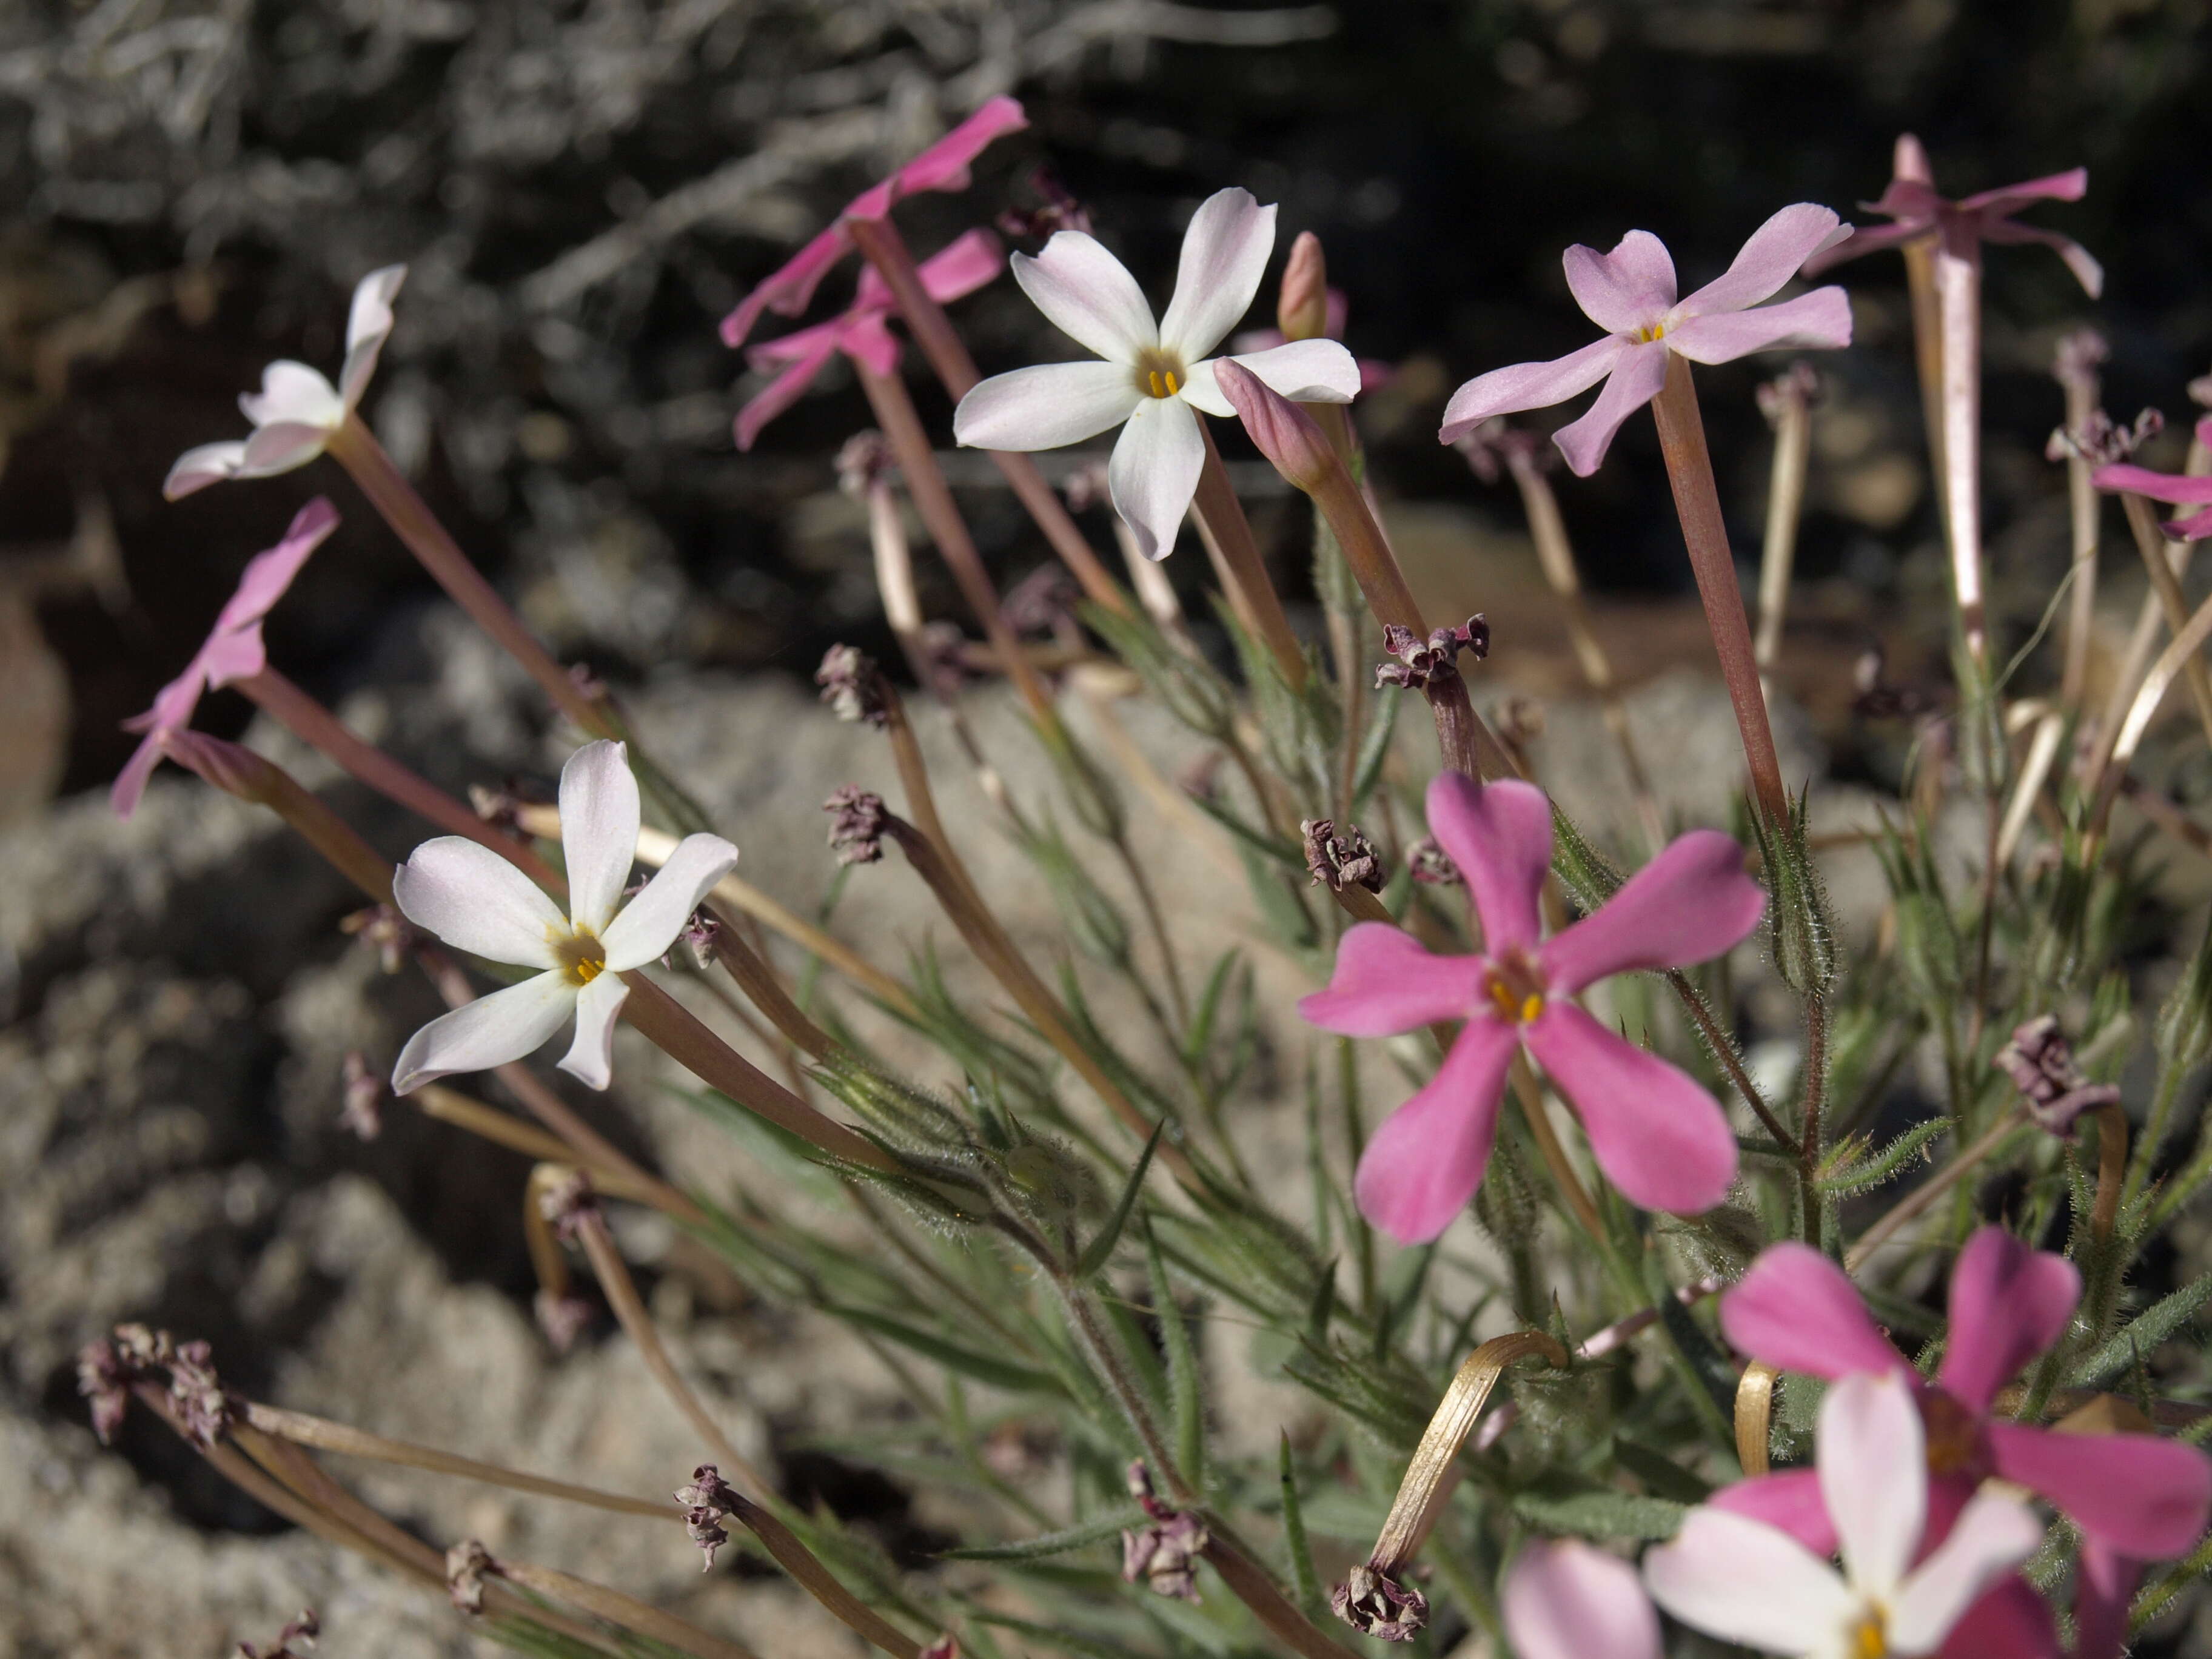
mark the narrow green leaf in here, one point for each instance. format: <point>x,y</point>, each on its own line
<point>1185,1401</point>
<point>1096,1530</point>
<point>1100,1248</point>
<point>2141,1334</point>
<point>984,1368</point>
<point>1559,1505</point>
<point>1200,1037</point>
<point>1303,1580</point>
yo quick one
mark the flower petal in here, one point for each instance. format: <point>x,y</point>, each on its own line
<point>2010,1622</point>
<point>1658,1136</point>
<point>1821,320</point>
<point>2079,260</point>
<point>1304,370</point>
<point>1993,1536</point>
<point>1777,250</point>
<point>1626,290</point>
<point>293,393</point>
<point>1790,1500</point>
<point>646,927</point>
<point>2176,487</point>
<point>2008,1303</point>
<point>1798,1311</point>
<point>1499,835</point>
<point>195,469</point>
<point>1570,1600</point>
<point>2104,1585</point>
<point>599,819</point>
<point>1426,1160</point>
<point>968,262</point>
<point>477,902</point>
<point>1386,982</point>
<point>2069,186</point>
<point>591,1057</point>
<point>1745,1582</point>
<point>280,446</point>
<point>944,165</point>
<point>1224,255</point>
<point>268,574</point>
<point>1871,1454</point>
<point>790,289</point>
<point>1862,238</point>
<point>129,785</point>
<point>508,1025</point>
<point>1154,471</point>
<point>368,326</point>
<point>1638,374</point>
<point>2144,1497</point>
<point>1691,903</point>
<point>1089,295</point>
<point>1046,406</point>
<point>787,387</point>
<point>1528,386</point>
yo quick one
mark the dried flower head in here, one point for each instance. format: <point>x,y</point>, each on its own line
<point>1421,662</point>
<point>294,1640</point>
<point>1877,699</point>
<point>857,822</point>
<point>104,1378</point>
<point>1165,1553</point>
<point>702,937</point>
<point>2101,440</point>
<point>1376,1605</point>
<point>383,927</point>
<point>567,1202</point>
<point>467,1565</point>
<point>2040,1062</point>
<point>2077,357</point>
<point>852,684</point>
<point>1043,602</point>
<point>1432,866</point>
<point>562,1317</point>
<point>1495,446</point>
<point>1340,860</point>
<point>705,1501</point>
<point>1797,385</point>
<point>865,462</point>
<point>1059,208</point>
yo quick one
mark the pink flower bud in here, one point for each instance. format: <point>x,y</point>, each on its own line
<point>230,767</point>
<point>1302,302</point>
<point>1288,436</point>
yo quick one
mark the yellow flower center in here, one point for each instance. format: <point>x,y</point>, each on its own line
<point>581,957</point>
<point>1515,987</point>
<point>1651,332</point>
<point>1160,375</point>
<point>1870,1636</point>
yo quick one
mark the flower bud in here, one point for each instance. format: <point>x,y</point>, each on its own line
<point>1290,438</point>
<point>230,767</point>
<point>1798,925</point>
<point>1302,302</point>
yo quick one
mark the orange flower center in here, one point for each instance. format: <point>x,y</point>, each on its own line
<point>1515,987</point>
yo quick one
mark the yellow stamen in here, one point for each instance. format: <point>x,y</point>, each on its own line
<point>1871,1639</point>
<point>581,957</point>
<point>1649,332</point>
<point>1154,377</point>
<point>1530,1007</point>
<point>1172,388</point>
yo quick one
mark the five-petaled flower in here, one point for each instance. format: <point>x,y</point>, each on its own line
<point>1155,374</point>
<point>1658,1136</point>
<point>297,411</point>
<point>1565,1599</point>
<point>233,650</point>
<point>1745,1581</point>
<point>1630,293</point>
<point>476,901</point>
<point>2176,489</point>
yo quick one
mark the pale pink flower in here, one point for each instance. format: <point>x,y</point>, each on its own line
<point>944,166</point>
<point>1567,1600</point>
<point>1374,372</point>
<point>1745,1581</point>
<point>1155,375</point>
<point>959,268</point>
<point>232,652</point>
<point>2178,489</point>
<point>297,410</point>
<point>476,901</point>
<point>1911,202</point>
<point>1629,293</point>
<point>1659,1137</point>
<point>1796,1310</point>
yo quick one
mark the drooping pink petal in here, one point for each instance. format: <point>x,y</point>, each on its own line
<point>1909,202</point>
<point>1566,1599</point>
<point>129,785</point>
<point>1304,370</point>
<point>1224,255</point>
<point>508,1025</point>
<point>2010,1622</point>
<point>1993,1535</point>
<point>1638,374</point>
<point>2008,1303</point>
<point>599,819</point>
<point>1819,321</point>
<point>790,289</point>
<point>1863,239</point>
<point>1871,1454</point>
<point>2173,487</point>
<point>789,386</point>
<point>268,574</point>
<point>2079,260</point>
<point>1691,903</point>
<point>869,342</point>
<point>1528,386</point>
<point>2104,1585</point>
<point>971,260</point>
<point>477,902</point>
<point>1661,1138</point>
<point>1746,1582</point>
<point>644,928</point>
<point>1790,1500</point>
<point>1046,406</point>
<point>198,468</point>
<point>280,446</point>
<point>2193,527</point>
<point>1386,982</point>
<point>1427,1158</point>
<point>1625,291</point>
<point>591,1057</point>
<point>1089,295</point>
<point>2135,1493</point>
<point>1499,835</point>
<point>1775,253</point>
<point>368,326</point>
<point>294,394</point>
<point>945,164</point>
<point>1798,1311</point>
<point>1153,472</point>
<point>2008,199</point>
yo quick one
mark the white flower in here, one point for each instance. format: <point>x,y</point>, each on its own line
<point>1746,1582</point>
<point>1154,374</point>
<point>297,410</point>
<point>477,902</point>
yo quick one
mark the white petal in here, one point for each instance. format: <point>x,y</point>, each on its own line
<point>1089,295</point>
<point>599,819</point>
<point>1224,255</point>
<point>1992,1536</point>
<point>1154,472</point>
<point>649,923</point>
<point>280,446</point>
<point>1567,1600</point>
<point>1047,406</point>
<point>293,392</point>
<point>1744,1581</point>
<point>367,327</point>
<point>477,902</point>
<point>591,1057</point>
<point>508,1025</point>
<point>1304,370</point>
<point>195,469</point>
<point>1871,1454</point>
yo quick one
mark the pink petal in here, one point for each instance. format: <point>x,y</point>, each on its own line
<point>1820,321</point>
<point>1089,295</point>
<point>234,649</point>
<point>869,342</point>
<point>787,387</point>
<point>944,165</point>
<point>806,344</point>
<point>1736,1579</point>
<point>1046,406</point>
<point>1789,1501</point>
<point>2079,260</point>
<point>280,446</point>
<point>2010,1622</point>
<point>1993,1535</point>
<point>2008,1303</point>
<point>1499,835</point>
<point>1570,1600</point>
<point>1428,1157</point>
<point>1625,290</point>
<point>968,262</point>
<point>1224,255</point>
<point>2069,186</point>
<point>1661,1139</point>
<point>368,326</point>
<point>591,1056</point>
<point>2104,1585</point>
<point>1909,162</point>
<point>2158,486</point>
<point>1528,386</point>
<point>1304,370</point>
<point>2135,1493</point>
<point>790,290</point>
<point>599,819</point>
<point>1863,239</point>
<point>1691,903</point>
<point>292,394</point>
<point>1153,471</point>
<point>195,469</point>
<point>1638,374</point>
<point>129,785</point>
<point>1872,1458</point>
<point>1910,201</point>
<point>2193,528</point>
<point>1796,1310</point>
<point>1777,250</point>
<point>1386,982</point>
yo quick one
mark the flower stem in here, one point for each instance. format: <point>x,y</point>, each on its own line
<point>2142,521</point>
<point>1786,505</point>
<point>1531,1096</point>
<point>1221,513</point>
<point>2084,506</point>
<point>1957,282</point>
<point>1923,1196</point>
<point>1698,502</point>
<point>1815,1086</point>
<point>625,1611</point>
<point>617,1179</point>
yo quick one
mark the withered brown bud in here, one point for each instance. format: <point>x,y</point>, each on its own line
<point>1493,447</point>
<point>1421,662</point>
<point>1057,210</point>
<point>1339,860</point>
<point>856,824</point>
<point>853,685</point>
<point>103,1378</point>
<point>1432,866</point>
<point>865,461</point>
<point>2040,1062</point>
<point>199,1394</point>
<point>2101,440</point>
<point>705,1501</point>
<point>1165,1553</point>
<point>562,1318</point>
<point>567,1202</point>
<point>1520,721</point>
<point>1376,1605</point>
<point>1302,302</point>
<point>700,935</point>
<point>361,1112</point>
<point>467,1565</point>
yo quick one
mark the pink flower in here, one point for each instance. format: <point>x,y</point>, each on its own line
<point>2167,487</point>
<point>942,166</point>
<point>233,649</point>
<point>1629,293</point>
<point>1566,1599</point>
<point>959,268</point>
<point>1661,1139</point>
<point>1911,203</point>
<point>1374,372</point>
<point>1796,1310</point>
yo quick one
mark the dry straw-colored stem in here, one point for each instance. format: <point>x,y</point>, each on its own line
<point>2082,393</point>
<point>618,1608</point>
<point>1754,1415</point>
<point>2173,604</point>
<point>1785,507</point>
